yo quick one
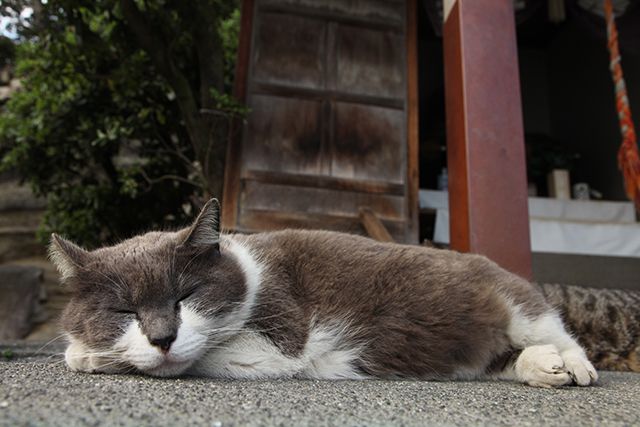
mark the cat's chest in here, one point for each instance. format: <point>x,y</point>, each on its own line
<point>251,355</point>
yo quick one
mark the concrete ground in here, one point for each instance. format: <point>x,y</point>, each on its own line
<point>37,389</point>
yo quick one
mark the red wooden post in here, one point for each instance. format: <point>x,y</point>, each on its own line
<point>486,157</point>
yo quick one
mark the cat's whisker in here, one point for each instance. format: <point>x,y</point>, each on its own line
<point>51,341</point>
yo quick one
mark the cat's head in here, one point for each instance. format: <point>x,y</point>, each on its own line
<point>154,303</point>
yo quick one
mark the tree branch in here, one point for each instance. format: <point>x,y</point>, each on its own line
<point>203,17</point>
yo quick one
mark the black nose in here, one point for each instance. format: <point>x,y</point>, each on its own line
<point>164,343</point>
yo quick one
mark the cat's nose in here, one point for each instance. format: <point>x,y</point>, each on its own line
<point>163,343</point>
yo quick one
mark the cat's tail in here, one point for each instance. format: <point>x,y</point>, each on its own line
<point>605,321</point>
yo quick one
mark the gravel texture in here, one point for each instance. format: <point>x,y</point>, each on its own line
<point>37,389</point>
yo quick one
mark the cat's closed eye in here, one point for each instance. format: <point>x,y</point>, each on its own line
<point>183,297</point>
<point>126,312</point>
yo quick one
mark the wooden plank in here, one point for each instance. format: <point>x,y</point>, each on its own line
<point>310,93</point>
<point>413,142</point>
<point>255,220</point>
<point>231,189</point>
<point>486,159</point>
<point>374,227</point>
<point>378,14</point>
<point>295,180</point>
<point>313,200</point>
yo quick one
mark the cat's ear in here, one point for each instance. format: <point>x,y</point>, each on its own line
<point>205,230</point>
<point>66,256</point>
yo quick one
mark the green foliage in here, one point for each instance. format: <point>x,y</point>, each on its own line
<point>230,34</point>
<point>97,129</point>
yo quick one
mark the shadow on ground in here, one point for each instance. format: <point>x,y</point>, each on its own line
<point>37,389</point>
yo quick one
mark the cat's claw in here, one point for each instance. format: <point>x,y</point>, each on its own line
<point>580,369</point>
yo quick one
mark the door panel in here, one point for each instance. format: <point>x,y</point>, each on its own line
<point>327,133</point>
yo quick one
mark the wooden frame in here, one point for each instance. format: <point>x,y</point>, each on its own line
<point>413,142</point>
<point>231,185</point>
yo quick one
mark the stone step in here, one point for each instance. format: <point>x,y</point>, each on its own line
<point>17,197</point>
<point>21,295</point>
<point>19,242</point>
<point>57,297</point>
<point>21,218</point>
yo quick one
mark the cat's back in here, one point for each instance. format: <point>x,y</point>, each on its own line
<point>348,270</point>
<point>333,254</point>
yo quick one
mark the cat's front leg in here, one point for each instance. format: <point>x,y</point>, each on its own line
<point>546,366</point>
<point>81,358</point>
<point>550,356</point>
<point>250,355</point>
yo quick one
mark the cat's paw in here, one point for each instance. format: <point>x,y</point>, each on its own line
<point>542,366</point>
<point>78,358</point>
<point>580,369</point>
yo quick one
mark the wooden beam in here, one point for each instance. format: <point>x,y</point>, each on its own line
<point>231,185</point>
<point>485,141</point>
<point>328,182</point>
<point>375,229</point>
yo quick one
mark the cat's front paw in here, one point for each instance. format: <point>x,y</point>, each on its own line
<point>542,366</point>
<point>580,369</point>
<point>78,358</point>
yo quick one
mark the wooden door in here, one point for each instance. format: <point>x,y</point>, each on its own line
<point>333,125</point>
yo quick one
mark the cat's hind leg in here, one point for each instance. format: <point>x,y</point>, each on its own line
<point>550,356</point>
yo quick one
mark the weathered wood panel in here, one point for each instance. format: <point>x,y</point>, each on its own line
<point>359,51</point>
<point>285,135</point>
<point>327,133</point>
<point>290,50</point>
<point>369,143</point>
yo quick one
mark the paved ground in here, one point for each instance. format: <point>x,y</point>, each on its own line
<point>36,389</point>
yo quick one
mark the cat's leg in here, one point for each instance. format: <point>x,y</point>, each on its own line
<point>249,355</point>
<point>550,356</point>
<point>81,358</point>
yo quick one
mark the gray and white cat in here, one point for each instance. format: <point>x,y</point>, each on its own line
<point>306,304</point>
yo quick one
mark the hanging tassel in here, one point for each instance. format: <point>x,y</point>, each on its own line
<point>628,157</point>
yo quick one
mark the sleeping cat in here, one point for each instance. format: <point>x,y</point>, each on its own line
<point>306,304</point>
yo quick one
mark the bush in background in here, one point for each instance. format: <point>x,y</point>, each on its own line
<point>122,120</point>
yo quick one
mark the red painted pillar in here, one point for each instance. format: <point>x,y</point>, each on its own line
<point>485,138</point>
